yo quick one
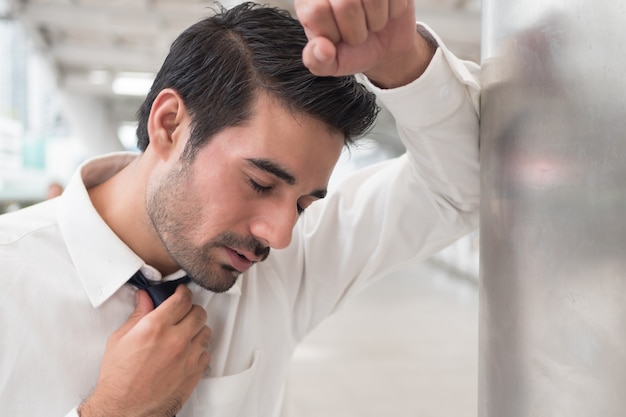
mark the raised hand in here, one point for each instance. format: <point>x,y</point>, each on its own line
<point>154,361</point>
<point>374,37</point>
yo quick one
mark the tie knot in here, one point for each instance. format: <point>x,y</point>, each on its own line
<point>158,292</point>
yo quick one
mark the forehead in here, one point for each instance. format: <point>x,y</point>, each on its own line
<point>300,143</point>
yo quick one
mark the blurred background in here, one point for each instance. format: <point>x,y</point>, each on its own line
<point>72,75</point>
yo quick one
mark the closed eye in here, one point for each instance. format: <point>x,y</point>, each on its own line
<point>264,190</point>
<point>261,189</point>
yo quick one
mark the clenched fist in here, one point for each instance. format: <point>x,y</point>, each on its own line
<point>374,37</point>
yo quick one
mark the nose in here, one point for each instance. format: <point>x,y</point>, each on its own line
<point>275,228</point>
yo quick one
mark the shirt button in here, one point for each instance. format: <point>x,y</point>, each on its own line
<point>444,93</point>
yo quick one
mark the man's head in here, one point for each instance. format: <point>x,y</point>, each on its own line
<point>242,139</point>
<point>220,64</point>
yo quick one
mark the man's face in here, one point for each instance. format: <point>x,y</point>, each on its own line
<point>242,193</point>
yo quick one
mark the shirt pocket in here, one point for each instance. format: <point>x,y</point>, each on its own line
<point>225,396</point>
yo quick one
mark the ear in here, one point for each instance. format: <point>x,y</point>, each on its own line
<point>168,123</point>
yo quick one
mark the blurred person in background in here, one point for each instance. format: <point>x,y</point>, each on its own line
<point>55,189</point>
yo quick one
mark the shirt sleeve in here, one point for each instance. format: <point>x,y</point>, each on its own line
<point>400,210</point>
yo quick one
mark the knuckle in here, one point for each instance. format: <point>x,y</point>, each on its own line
<point>397,8</point>
<point>204,362</point>
<point>197,317</point>
<point>198,364</point>
<point>200,313</point>
<point>349,7</point>
<point>311,13</point>
<point>376,9</point>
<point>182,297</point>
<point>185,293</point>
<point>205,337</point>
<point>376,24</point>
<point>300,6</point>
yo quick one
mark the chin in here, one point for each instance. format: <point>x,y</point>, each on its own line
<point>220,282</point>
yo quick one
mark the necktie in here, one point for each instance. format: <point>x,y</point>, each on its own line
<point>157,292</point>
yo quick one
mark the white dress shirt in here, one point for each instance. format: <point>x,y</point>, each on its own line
<point>64,271</point>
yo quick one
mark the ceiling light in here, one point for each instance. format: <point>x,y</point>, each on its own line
<point>99,77</point>
<point>132,83</point>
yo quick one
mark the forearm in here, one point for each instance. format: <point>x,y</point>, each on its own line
<point>400,210</point>
<point>437,120</point>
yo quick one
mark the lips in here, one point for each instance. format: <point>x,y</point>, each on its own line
<point>240,262</point>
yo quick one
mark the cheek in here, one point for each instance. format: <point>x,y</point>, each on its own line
<point>218,205</point>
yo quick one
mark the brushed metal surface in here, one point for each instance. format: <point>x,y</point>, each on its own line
<point>553,215</point>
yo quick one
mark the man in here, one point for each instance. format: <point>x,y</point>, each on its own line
<point>238,142</point>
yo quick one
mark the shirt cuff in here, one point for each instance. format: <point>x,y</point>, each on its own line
<point>73,413</point>
<point>425,101</point>
<point>429,98</point>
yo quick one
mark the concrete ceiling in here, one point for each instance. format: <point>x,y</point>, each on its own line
<point>89,42</point>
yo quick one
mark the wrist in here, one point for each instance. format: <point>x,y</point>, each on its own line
<point>84,410</point>
<point>94,406</point>
<point>409,66</point>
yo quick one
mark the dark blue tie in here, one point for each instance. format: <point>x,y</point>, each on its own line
<point>158,292</point>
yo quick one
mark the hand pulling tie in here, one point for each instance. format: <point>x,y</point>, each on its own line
<point>158,292</point>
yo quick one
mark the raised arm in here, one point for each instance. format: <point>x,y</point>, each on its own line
<point>400,210</point>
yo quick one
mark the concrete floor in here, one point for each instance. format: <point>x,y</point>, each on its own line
<point>407,346</point>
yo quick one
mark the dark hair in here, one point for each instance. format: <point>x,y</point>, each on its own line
<point>221,63</point>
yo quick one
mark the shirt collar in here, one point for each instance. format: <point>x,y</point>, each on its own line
<point>103,261</point>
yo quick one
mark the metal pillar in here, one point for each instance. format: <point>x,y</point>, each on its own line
<point>553,216</point>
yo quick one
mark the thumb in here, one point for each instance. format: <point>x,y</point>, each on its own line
<point>143,305</point>
<point>319,56</point>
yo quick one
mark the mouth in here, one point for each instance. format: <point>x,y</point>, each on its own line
<point>239,260</point>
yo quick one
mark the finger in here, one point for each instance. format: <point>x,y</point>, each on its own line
<point>207,371</point>
<point>317,19</point>
<point>143,305</point>
<point>397,8</point>
<point>203,337</point>
<point>199,349</point>
<point>202,367</point>
<point>377,14</point>
<point>199,365</point>
<point>192,323</point>
<point>309,34</point>
<point>176,307</point>
<point>199,368</point>
<point>351,20</point>
<point>319,56</point>
<point>204,364</point>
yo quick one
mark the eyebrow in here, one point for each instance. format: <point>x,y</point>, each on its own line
<point>282,173</point>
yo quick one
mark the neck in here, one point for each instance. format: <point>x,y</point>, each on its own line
<point>121,203</point>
